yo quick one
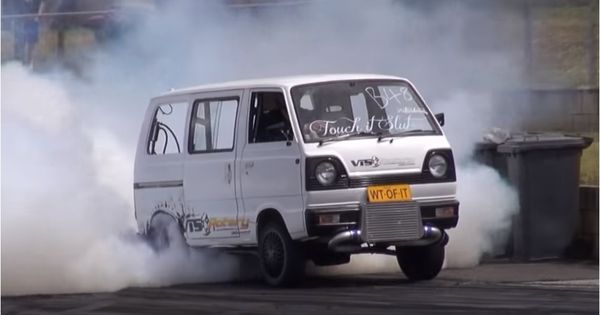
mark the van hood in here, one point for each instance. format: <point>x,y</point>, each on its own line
<point>368,156</point>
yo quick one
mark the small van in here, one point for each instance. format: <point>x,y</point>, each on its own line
<point>299,168</point>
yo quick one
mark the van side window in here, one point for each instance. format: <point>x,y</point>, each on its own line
<point>213,125</point>
<point>168,129</point>
<point>269,119</point>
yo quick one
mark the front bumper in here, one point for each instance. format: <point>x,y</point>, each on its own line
<point>441,214</point>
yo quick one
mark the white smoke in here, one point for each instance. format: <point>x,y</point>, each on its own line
<point>485,216</point>
<point>68,145</point>
<point>487,202</point>
<point>67,219</point>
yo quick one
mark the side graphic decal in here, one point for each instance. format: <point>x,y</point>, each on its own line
<point>190,222</point>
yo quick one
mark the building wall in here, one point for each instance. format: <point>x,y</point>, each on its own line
<point>564,64</point>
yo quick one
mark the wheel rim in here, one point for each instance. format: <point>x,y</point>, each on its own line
<point>159,238</point>
<point>273,254</point>
<point>163,231</point>
<point>163,239</point>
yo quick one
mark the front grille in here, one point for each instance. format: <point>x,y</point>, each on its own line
<point>365,181</point>
<point>387,222</point>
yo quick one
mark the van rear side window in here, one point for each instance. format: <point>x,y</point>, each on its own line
<point>168,129</point>
<point>213,125</point>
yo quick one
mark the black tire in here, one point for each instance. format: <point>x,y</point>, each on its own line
<point>282,262</point>
<point>421,262</point>
<point>164,233</point>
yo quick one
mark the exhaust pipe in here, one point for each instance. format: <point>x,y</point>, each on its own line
<point>431,235</point>
<point>350,241</point>
<point>352,236</point>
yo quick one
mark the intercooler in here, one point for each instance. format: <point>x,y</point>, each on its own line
<point>387,222</point>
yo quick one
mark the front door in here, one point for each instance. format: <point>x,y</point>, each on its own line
<point>269,167</point>
<point>211,212</point>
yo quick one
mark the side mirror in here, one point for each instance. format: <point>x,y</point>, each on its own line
<point>440,118</point>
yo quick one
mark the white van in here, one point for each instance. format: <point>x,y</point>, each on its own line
<point>299,168</point>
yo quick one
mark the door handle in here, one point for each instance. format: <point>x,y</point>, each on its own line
<point>228,174</point>
<point>248,165</point>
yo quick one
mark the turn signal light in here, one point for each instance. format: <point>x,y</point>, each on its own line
<point>444,212</point>
<point>329,218</point>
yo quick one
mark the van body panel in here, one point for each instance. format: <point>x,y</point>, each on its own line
<point>420,192</point>
<point>370,157</point>
<point>217,196</point>
<point>158,179</point>
<point>211,209</point>
<point>270,176</point>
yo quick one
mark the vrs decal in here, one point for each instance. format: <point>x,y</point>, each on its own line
<point>384,163</point>
<point>372,162</point>
<point>201,224</point>
<point>208,225</point>
<point>175,207</point>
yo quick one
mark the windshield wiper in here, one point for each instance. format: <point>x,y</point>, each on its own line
<point>401,134</point>
<point>380,135</point>
<point>348,135</point>
<point>334,138</point>
<point>364,133</point>
<point>412,131</point>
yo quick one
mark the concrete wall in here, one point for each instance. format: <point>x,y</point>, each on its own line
<point>559,41</point>
<point>569,109</point>
<point>563,65</point>
<point>564,44</point>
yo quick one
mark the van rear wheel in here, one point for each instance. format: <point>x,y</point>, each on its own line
<point>281,260</point>
<point>164,232</point>
<point>421,262</point>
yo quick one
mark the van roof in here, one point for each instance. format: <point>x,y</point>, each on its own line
<point>283,82</point>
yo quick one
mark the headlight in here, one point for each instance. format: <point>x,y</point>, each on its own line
<point>325,173</point>
<point>438,166</point>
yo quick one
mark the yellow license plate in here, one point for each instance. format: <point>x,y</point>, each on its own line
<point>387,193</point>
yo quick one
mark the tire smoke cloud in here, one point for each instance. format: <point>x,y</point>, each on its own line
<point>68,144</point>
<point>67,225</point>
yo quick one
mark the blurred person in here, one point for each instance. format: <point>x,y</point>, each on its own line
<point>273,123</point>
<point>26,29</point>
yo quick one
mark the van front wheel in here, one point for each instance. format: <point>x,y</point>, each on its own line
<point>421,262</point>
<point>281,260</point>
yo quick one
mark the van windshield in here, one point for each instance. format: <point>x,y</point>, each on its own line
<point>367,108</point>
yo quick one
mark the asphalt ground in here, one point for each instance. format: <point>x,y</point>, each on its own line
<point>499,287</point>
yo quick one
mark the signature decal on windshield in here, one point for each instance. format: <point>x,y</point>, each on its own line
<point>388,95</point>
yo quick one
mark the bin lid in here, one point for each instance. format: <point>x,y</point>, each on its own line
<point>543,141</point>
